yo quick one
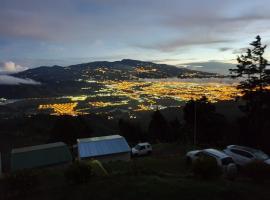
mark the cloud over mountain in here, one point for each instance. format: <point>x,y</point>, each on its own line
<point>10,67</point>
<point>211,66</point>
<point>10,80</point>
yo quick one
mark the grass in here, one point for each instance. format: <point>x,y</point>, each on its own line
<point>153,177</point>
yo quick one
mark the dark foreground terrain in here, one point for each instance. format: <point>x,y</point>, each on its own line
<point>162,175</point>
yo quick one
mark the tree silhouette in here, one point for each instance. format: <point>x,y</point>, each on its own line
<point>132,132</point>
<point>159,129</point>
<point>202,123</point>
<point>68,129</point>
<point>176,131</point>
<point>252,68</point>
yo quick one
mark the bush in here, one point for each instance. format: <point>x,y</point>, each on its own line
<point>97,168</point>
<point>78,173</point>
<point>257,171</point>
<point>21,183</point>
<point>206,168</point>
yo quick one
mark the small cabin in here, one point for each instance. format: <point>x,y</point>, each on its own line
<point>106,148</point>
<point>40,156</point>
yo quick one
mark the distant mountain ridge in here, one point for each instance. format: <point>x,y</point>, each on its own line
<point>58,81</point>
<point>125,69</point>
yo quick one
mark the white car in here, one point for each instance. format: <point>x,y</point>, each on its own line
<point>243,155</point>
<point>223,160</point>
<point>142,149</point>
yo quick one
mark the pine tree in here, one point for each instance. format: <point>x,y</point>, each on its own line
<point>253,69</point>
<point>252,66</point>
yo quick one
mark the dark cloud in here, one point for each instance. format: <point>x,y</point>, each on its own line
<point>211,66</point>
<point>240,51</point>
<point>184,42</point>
<point>222,49</point>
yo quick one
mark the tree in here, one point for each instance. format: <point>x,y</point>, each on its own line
<point>176,131</point>
<point>68,129</point>
<point>202,122</point>
<point>132,132</point>
<point>159,128</point>
<point>252,68</point>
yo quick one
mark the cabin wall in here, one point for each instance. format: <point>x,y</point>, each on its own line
<point>111,157</point>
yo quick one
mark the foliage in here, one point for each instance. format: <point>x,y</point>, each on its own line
<point>203,123</point>
<point>252,67</point>
<point>68,129</point>
<point>78,173</point>
<point>21,183</point>
<point>97,168</point>
<point>206,168</point>
<point>132,132</point>
<point>161,130</point>
<point>257,171</point>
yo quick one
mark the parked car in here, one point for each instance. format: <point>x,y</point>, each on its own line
<point>142,149</point>
<point>243,155</point>
<point>223,160</point>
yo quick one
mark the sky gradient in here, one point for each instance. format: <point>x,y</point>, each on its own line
<point>179,32</point>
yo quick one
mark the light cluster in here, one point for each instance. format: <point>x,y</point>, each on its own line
<point>142,69</point>
<point>61,109</point>
<point>143,96</point>
<point>182,91</point>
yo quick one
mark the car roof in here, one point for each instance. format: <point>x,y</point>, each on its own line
<point>143,143</point>
<point>244,148</point>
<point>216,153</point>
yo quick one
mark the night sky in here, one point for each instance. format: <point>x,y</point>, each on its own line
<point>192,32</point>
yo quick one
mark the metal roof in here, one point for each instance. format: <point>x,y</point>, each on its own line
<point>38,147</point>
<point>40,156</point>
<point>99,146</point>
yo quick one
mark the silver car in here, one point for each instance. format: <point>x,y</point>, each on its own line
<point>223,160</point>
<point>243,155</point>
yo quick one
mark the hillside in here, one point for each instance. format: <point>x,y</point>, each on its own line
<point>60,81</point>
<point>125,69</point>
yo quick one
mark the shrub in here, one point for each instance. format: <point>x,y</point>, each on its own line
<point>97,168</point>
<point>78,173</point>
<point>21,183</point>
<point>206,168</point>
<point>257,171</point>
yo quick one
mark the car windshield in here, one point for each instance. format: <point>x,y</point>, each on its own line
<point>260,155</point>
<point>137,147</point>
<point>226,161</point>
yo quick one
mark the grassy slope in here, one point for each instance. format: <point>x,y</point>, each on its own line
<point>160,176</point>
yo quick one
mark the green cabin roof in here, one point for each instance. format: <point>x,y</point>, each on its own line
<point>40,156</point>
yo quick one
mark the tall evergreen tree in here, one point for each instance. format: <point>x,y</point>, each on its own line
<point>253,69</point>
<point>252,66</point>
